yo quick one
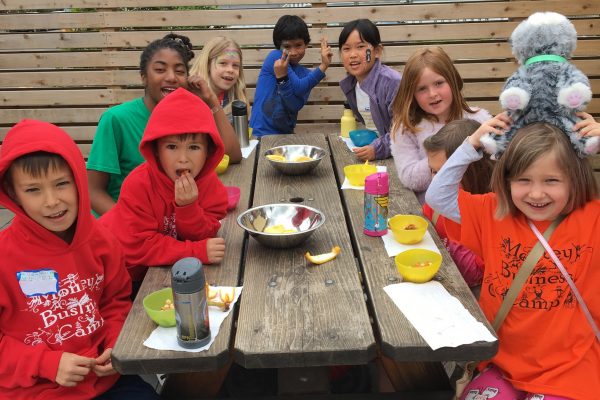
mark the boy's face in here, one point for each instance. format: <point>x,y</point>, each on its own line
<point>178,156</point>
<point>435,160</point>
<point>296,49</point>
<point>51,200</point>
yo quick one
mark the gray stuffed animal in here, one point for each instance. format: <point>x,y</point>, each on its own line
<point>546,87</point>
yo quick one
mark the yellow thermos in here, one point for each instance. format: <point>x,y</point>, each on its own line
<point>348,122</point>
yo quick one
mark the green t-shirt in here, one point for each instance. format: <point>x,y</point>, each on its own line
<point>115,149</point>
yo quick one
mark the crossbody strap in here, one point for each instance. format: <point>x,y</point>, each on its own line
<point>530,261</point>
<point>567,277</point>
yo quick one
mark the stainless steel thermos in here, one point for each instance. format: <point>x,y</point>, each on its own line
<point>191,307</point>
<point>239,111</point>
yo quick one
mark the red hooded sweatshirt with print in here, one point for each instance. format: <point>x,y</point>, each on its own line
<point>55,296</point>
<point>152,229</point>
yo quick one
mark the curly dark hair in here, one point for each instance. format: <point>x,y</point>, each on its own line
<point>179,43</point>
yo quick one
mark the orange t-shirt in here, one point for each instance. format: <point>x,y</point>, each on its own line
<point>546,344</point>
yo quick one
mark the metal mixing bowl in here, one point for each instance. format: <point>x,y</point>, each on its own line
<point>279,218</point>
<point>292,152</point>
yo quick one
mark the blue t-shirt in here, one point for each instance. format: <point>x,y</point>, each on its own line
<point>276,106</point>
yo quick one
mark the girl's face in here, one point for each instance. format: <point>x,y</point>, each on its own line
<point>541,192</point>
<point>165,72</point>
<point>433,94</point>
<point>354,56</point>
<point>225,70</point>
<point>436,159</point>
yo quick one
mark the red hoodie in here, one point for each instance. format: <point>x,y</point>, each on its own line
<point>84,312</point>
<point>152,229</point>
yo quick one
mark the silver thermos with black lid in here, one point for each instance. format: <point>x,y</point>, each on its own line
<point>191,307</point>
<point>239,111</point>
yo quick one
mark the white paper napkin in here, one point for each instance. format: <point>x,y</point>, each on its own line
<point>348,142</point>
<point>393,247</point>
<point>166,338</point>
<point>438,316</point>
<point>246,151</point>
<point>347,185</point>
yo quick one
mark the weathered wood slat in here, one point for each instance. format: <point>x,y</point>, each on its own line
<point>249,16</point>
<point>445,32</point>
<point>309,315</point>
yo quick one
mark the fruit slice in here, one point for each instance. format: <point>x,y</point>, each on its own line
<point>303,159</point>
<point>278,229</point>
<point>323,258</point>
<point>276,157</point>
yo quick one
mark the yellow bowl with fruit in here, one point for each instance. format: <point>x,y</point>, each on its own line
<point>160,308</point>
<point>223,164</point>
<point>408,229</point>
<point>418,265</point>
<point>356,173</point>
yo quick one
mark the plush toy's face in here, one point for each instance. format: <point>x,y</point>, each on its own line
<point>543,33</point>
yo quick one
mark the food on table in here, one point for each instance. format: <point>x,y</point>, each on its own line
<point>323,258</point>
<point>422,264</point>
<point>168,305</point>
<point>220,297</point>
<point>276,157</point>
<point>303,159</point>
<point>279,229</point>
<point>410,227</point>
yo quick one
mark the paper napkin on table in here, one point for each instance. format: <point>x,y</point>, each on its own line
<point>438,316</point>
<point>166,338</point>
<point>347,185</point>
<point>348,142</point>
<point>246,151</point>
<point>392,247</point>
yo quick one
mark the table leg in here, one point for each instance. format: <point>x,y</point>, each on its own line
<point>415,375</point>
<point>312,380</point>
<point>195,384</point>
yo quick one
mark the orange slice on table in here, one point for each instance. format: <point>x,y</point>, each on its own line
<point>323,258</point>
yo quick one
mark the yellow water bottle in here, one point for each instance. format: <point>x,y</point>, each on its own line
<point>348,122</point>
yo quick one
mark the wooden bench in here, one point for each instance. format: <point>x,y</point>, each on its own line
<point>66,61</point>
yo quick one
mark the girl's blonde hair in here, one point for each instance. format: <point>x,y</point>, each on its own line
<point>211,50</point>
<point>530,143</point>
<point>477,177</point>
<point>407,113</point>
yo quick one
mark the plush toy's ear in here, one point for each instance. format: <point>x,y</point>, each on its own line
<point>592,145</point>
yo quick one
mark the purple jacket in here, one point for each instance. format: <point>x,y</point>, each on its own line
<point>381,85</point>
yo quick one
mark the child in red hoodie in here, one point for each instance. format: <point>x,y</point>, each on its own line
<point>170,205</point>
<point>64,293</point>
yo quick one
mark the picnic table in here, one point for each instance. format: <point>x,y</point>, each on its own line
<point>292,315</point>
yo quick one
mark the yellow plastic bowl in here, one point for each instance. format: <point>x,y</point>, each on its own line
<point>356,173</point>
<point>398,224</point>
<point>152,304</point>
<point>223,164</point>
<point>418,265</point>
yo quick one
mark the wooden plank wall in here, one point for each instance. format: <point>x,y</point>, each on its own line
<point>65,61</point>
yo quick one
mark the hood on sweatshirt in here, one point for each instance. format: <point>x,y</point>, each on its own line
<point>29,136</point>
<point>181,112</point>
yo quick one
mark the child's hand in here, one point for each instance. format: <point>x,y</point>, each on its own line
<point>199,86</point>
<point>73,368</point>
<point>588,126</point>
<point>326,55</point>
<point>103,365</point>
<point>365,153</point>
<point>215,250</point>
<point>280,68</point>
<point>186,190</point>
<point>498,125</point>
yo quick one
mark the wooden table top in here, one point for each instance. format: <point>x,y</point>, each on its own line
<point>293,313</point>
<point>130,356</point>
<point>398,338</point>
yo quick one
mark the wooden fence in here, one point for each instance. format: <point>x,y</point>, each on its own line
<point>66,61</point>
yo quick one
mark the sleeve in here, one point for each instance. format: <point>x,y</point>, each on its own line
<point>22,365</point>
<point>382,147</point>
<point>141,239</point>
<point>413,171</point>
<point>104,153</point>
<point>442,194</point>
<point>469,264</point>
<point>115,302</point>
<point>201,219</point>
<point>296,90</point>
